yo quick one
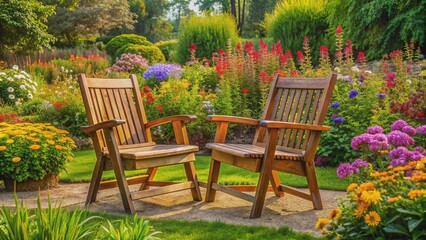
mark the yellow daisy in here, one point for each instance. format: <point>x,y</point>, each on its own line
<point>10,141</point>
<point>51,142</point>
<point>35,147</point>
<point>16,159</point>
<point>371,197</point>
<point>372,218</point>
<point>335,214</point>
<point>361,209</point>
<point>321,223</point>
<point>351,187</point>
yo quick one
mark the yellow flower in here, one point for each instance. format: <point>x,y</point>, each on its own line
<point>420,165</point>
<point>51,142</point>
<point>324,231</point>
<point>59,147</point>
<point>335,214</point>
<point>10,141</point>
<point>70,158</point>
<point>33,134</point>
<point>391,200</point>
<point>35,147</point>
<point>361,209</point>
<point>62,140</point>
<point>321,223</point>
<point>36,140</point>
<point>2,148</point>
<point>371,197</point>
<point>16,159</point>
<point>351,187</point>
<point>416,193</point>
<point>372,218</point>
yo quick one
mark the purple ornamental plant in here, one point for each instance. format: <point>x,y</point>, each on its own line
<point>162,72</point>
<point>129,62</point>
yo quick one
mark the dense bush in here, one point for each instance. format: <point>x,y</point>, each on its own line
<point>293,19</point>
<point>380,26</point>
<point>168,48</point>
<point>124,39</point>
<point>151,53</point>
<point>209,33</point>
<point>16,86</point>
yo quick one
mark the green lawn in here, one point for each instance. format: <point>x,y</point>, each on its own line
<point>202,230</point>
<point>80,170</point>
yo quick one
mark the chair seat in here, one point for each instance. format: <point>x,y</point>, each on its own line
<point>154,151</point>
<point>252,151</point>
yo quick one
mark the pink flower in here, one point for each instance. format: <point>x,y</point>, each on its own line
<point>339,29</point>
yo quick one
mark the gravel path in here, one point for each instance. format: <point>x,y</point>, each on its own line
<point>290,211</point>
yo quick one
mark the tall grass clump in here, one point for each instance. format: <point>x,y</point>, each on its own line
<point>208,33</point>
<point>291,20</point>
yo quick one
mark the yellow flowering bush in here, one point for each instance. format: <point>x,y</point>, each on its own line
<point>30,151</point>
<point>388,205</point>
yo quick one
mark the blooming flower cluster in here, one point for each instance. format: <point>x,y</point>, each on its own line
<point>16,86</point>
<point>162,72</point>
<point>207,105</point>
<point>129,62</point>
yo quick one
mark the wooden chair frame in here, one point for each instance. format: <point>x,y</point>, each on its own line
<point>128,147</point>
<point>264,156</point>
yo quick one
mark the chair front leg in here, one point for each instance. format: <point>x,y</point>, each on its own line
<point>213,178</point>
<point>191,176</point>
<point>119,171</point>
<point>96,179</point>
<point>151,174</point>
<point>265,173</point>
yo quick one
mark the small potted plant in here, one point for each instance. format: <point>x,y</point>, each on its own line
<point>32,155</point>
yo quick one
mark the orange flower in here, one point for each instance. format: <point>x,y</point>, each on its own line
<point>10,141</point>
<point>35,147</point>
<point>2,148</point>
<point>16,159</point>
<point>372,219</point>
<point>59,147</point>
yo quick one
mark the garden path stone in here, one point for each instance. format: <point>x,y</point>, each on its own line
<point>290,211</point>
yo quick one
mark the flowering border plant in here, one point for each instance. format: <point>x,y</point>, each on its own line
<point>31,151</point>
<point>16,86</point>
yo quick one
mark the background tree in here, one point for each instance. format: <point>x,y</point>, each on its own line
<point>220,6</point>
<point>179,8</point>
<point>90,18</point>
<point>22,28</point>
<point>254,26</point>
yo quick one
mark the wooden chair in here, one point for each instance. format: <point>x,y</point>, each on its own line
<point>122,141</point>
<point>286,140</point>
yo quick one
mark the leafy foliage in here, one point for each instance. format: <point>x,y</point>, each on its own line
<point>125,39</point>
<point>22,28</point>
<point>168,48</point>
<point>208,33</point>
<point>380,26</point>
<point>293,19</point>
<point>151,53</point>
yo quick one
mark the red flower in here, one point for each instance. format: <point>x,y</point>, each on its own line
<point>264,77</point>
<point>221,52</point>
<point>238,46</point>
<point>244,90</point>
<point>361,57</point>
<point>57,105</point>
<point>160,108</point>
<point>192,47</point>
<point>300,57</point>
<point>339,29</point>
<point>146,89</point>
<point>283,59</point>
<point>420,115</point>
<point>249,46</point>
<point>142,94</point>
<point>294,73</point>
<point>288,55</point>
<point>324,52</point>
<point>390,84</point>
<point>277,48</point>
<point>263,46</point>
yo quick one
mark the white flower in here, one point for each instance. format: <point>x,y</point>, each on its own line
<point>33,88</point>
<point>369,72</point>
<point>11,96</point>
<point>70,87</point>
<point>2,73</point>
<point>26,74</point>
<point>10,89</point>
<point>66,71</point>
<point>409,81</point>
<point>70,71</point>
<point>355,69</point>
<point>15,67</point>
<point>35,83</point>
<point>30,96</point>
<point>62,68</point>
<point>19,76</point>
<point>10,79</point>
<point>22,87</point>
<point>337,69</point>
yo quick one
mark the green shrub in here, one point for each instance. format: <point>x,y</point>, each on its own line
<point>16,86</point>
<point>293,19</point>
<point>209,34</point>
<point>379,26</point>
<point>121,40</point>
<point>168,48</point>
<point>151,53</point>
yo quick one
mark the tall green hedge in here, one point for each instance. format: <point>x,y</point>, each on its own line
<point>293,19</point>
<point>208,33</point>
<point>379,26</point>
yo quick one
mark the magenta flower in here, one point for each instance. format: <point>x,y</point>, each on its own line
<point>409,130</point>
<point>398,125</point>
<point>344,170</point>
<point>360,140</point>
<point>378,142</point>
<point>359,163</point>
<point>399,138</point>
<point>375,130</point>
<point>421,130</point>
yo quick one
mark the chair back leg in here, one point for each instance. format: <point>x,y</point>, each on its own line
<point>313,186</point>
<point>191,176</point>
<point>213,178</point>
<point>96,180</point>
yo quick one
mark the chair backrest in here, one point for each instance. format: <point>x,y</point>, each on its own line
<point>296,100</point>
<point>106,99</point>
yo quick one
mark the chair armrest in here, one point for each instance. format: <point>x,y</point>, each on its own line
<point>168,119</point>
<point>102,125</point>
<point>278,124</point>
<point>233,119</point>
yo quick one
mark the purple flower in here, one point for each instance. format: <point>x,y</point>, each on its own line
<point>381,95</point>
<point>378,142</point>
<point>398,125</point>
<point>335,105</point>
<point>421,130</point>
<point>162,72</point>
<point>352,93</point>
<point>398,162</point>
<point>129,62</point>
<point>321,161</point>
<point>375,130</point>
<point>399,138</point>
<point>418,149</point>
<point>400,152</point>
<point>409,130</point>
<point>409,173</point>
<point>344,170</point>
<point>334,115</point>
<point>338,120</point>
<point>359,140</point>
<point>359,163</point>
